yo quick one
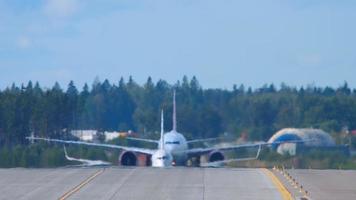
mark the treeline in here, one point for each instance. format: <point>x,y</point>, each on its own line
<point>126,105</point>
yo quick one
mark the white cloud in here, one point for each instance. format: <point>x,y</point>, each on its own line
<point>23,42</point>
<point>61,8</point>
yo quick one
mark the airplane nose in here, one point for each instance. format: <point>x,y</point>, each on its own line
<point>169,148</point>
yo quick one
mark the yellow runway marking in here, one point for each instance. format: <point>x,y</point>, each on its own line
<point>82,184</point>
<point>284,192</point>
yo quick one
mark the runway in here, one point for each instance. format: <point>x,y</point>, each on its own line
<point>138,184</point>
<point>39,183</point>
<point>171,184</point>
<point>327,184</point>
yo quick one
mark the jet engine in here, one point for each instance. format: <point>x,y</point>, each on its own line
<point>129,158</point>
<point>215,156</point>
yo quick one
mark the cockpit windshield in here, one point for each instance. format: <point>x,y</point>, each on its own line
<point>163,158</point>
<point>172,142</point>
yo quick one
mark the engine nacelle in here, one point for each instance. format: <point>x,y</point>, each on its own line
<point>215,156</point>
<point>129,158</point>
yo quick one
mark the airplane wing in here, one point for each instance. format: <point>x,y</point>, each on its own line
<point>201,151</point>
<point>202,140</point>
<point>143,140</point>
<point>85,161</point>
<point>134,149</point>
<point>222,162</point>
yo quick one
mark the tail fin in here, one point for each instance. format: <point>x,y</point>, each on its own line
<point>31,137</point>
<point>161,145</point>
<point>174,112</point>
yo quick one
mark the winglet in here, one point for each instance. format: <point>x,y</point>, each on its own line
<point>259,151</point>
<point>65,152</point>
<point>174,112</point>
<point>162,131</point>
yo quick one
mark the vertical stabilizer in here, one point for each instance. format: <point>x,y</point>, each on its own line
<point>174,112</point>
<point>161,146</point>
<point>32,136</point>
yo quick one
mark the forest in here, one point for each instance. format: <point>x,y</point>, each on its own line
<point>201,113</point>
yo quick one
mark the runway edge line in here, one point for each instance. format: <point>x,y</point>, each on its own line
<point>81,185</point>
<point>286,195</point>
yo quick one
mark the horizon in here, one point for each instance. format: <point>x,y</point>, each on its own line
<point>172,84</point>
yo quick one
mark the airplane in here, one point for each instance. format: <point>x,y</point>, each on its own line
<point>177,145</point>
<point>86,163</point>
<point>172,148</point>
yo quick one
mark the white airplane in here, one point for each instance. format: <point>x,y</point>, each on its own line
<point>85,161</point>
<point>177,145</point>
<point>172,148</point>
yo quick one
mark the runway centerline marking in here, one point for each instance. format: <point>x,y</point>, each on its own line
<point>284,192</point>
<point>81,185</point>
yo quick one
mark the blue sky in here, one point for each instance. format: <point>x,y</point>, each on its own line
<point>222,42</point>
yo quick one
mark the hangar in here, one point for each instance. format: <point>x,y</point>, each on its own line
<point>314,138</point>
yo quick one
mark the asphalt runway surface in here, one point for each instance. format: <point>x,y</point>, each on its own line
<point>326,184</point>
<point>168,184</point>
<point>39,183</point>
<point>137,183</point>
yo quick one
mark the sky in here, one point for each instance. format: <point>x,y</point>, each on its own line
<point>221,42</point>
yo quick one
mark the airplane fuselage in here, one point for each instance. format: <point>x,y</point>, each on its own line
<point>161,158</point>
<point>176,144</point>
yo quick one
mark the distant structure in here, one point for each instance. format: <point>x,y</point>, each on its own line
<point>85,135</point>
<point>92,135</point>
<point>112,135</point>
<point>314,139</point>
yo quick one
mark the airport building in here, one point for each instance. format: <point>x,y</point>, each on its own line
<point>92,135</point>
<point>313,139</point>
<point>85,135</point>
